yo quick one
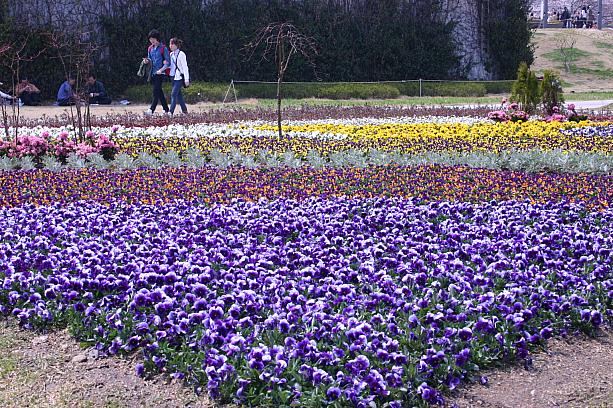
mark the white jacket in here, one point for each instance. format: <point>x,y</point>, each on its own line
<point>178,59</point>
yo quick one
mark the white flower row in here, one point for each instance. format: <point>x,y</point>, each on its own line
<point>196,131</point>
<point>247,128</point>
<point>404,120</point>
<point>238,128</point>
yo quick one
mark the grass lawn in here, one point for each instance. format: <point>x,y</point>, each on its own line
<point>426,101</point>
<point>588,96</point>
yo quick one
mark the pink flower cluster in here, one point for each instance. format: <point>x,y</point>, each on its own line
<point>510,113</point>
<point>60,147</point>
<point>25,146</point>
<point>104,142</point>
<point>569,114</point>
<point>498,116</point>
<point>556,117</point>
<point>518,115</point>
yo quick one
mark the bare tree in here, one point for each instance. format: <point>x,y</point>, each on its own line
<point>4,49</point>
<point>565,43</point>
<point>281,41</point>
<point>12,56</point>
<point>75,52</point>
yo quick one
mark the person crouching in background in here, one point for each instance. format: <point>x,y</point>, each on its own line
<point>96,91</point>
<point>66,95</point>
<point>27,92</point>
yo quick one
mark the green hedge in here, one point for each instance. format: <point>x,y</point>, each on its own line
<point>371,41</point>
<point>358,91</point>
<point>197,92</point>
<point>441,88</point>
<point>205,91</point>
<point>497,87</point>
<point>317,90</point>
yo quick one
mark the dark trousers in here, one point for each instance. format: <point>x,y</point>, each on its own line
<point>158,93</point>
<point>66,102</point>
<point>100,100</point>
<point>30,98</point>
<point>177,97</point>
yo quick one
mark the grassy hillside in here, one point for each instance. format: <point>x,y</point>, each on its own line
<point>589,62</point>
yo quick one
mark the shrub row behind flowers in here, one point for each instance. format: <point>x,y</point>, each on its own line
<point>200,91</point>
<point>388,301</point>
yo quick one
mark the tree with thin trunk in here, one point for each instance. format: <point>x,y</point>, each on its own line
<point>565,43</point>
<point>75,51</point>
<point>12,56</point>
<point>281,41</point>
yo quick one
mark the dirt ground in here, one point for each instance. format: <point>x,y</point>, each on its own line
<point>599,60</point>
<point>36,112</point>
<point>52,370</point>
<point>573,373</point>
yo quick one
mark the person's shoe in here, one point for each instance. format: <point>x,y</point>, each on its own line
<point>148,112</point>
<point>167,113</point>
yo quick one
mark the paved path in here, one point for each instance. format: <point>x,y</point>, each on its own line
<point>589,104</point>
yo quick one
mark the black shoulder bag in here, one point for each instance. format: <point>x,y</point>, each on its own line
<point>177,65</point>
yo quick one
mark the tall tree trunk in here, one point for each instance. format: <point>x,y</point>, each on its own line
<point>279,80</point>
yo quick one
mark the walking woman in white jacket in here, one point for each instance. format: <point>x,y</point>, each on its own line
<point>179,72</point>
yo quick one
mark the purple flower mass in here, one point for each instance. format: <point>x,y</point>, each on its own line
<point>344,300</point>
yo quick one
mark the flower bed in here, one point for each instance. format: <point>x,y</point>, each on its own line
<point>386,135</point>
<point>214,185</point>
<point>431,137</point>
<point>326,138</point>
<point>325,301</point>
<point>335,266</point>
<point>236,114</point>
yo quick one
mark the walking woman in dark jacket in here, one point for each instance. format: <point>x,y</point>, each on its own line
<point>159,58</point>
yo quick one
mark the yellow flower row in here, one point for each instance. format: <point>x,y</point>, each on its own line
<point>402,138</point>
<point>458,136</point>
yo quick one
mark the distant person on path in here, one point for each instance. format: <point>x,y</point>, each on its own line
<point>27,92</point>
<point>66,95</point>
<point>565,17</point>
<point>179,72</point>
<point>590,18</point>
<point>583,18</point>
<point>96,92</point>
<point>576,19</point>
<point>8,99</point>
<point>159,58</point>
